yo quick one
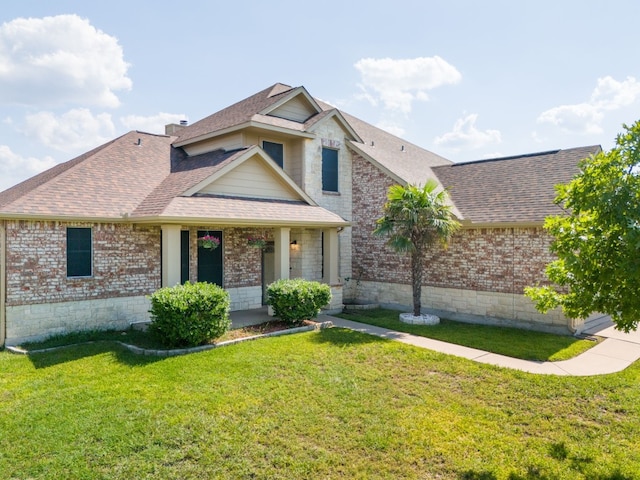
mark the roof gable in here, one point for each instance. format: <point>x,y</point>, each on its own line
<point>253,175</point>
<point>297,106</point>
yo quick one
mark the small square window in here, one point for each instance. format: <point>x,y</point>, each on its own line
<point>78,252</point>
<point>275,151</point>
<point>329,170</point>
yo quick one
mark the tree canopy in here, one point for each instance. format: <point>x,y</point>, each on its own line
<point>597,241</point>
<point>415,218</point>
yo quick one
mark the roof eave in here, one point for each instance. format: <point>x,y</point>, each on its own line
<point>242,126</point>
<point>124,218</point>
<point>236,222</point>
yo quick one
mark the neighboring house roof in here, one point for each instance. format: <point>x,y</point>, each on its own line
<point>517,189</point>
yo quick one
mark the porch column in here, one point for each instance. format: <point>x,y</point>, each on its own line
<point>281,251</point>
<point>170,255</point>
<point>330,257</point>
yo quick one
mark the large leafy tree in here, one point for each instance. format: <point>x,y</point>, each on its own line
<point>416,218</point>
<point>597,241</point>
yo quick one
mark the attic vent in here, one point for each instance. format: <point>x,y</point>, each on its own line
<point>184,123</point>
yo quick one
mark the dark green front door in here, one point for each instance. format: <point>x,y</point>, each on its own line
<point>210,260</point>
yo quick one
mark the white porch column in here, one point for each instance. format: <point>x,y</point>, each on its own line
<point>330,258</point>
<point>281,250</point>
<point>170,255</point>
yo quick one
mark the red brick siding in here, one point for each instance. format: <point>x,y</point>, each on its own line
<point>488,259</point>
<point>126,262</point>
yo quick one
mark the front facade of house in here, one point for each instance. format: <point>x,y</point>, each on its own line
<point>84,244</point>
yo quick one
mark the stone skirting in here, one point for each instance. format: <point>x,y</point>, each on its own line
<point>469,305</point>
<point>245,298</point>
<point>37,322</point>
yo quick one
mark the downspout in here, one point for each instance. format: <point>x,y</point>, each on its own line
<point>3,282</point>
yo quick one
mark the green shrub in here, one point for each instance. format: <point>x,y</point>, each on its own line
<point>297,300</point>
<point>189,314</point>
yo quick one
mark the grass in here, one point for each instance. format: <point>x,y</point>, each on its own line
<point>333,404</point>
<point>512,342</point>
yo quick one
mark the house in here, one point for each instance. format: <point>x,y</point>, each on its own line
<point>83,244</point>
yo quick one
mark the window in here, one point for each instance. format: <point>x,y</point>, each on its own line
<point>184,256</point>
<point>329,170</point>
<point>78,252</point>
<point>275,151</point>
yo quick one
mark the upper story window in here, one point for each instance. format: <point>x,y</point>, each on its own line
<point>329,170</point>
<point>275,151</point>
<point>78,252</point>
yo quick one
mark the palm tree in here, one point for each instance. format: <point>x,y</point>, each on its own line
<point>415,218</point>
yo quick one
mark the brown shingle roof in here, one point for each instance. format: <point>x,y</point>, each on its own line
<point>107,182</point>
<point>409,162</point>
<point>249,211</point>
<point>512,189</point>
<point>236,114</point>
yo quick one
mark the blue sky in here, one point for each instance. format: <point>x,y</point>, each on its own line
<point>465,79</point>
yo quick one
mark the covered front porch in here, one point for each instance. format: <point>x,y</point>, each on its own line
<point>245,269</point>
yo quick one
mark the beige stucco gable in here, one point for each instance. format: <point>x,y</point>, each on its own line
<point>253,175</point>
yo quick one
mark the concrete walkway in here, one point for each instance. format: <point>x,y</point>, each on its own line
<point>615,353</point>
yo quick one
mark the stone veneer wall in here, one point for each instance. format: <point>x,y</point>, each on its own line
<point>482,272</point>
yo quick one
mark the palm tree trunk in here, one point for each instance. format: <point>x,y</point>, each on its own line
<point>416,281</point>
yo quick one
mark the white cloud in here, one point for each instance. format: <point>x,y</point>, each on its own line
<point>586,118</point>
<point>582,118</point>
<point>72,132</point>
<point>152,123</point>
<point>399,82</point>
<point>610,94</point>
<point>392,128</point>
<point>60,60</point>
<point>466,136</point>
<point>15,168</point>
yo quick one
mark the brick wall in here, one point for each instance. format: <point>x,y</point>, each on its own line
<point>242,264</point>
<point>501,260</point>
<point>126,262</point>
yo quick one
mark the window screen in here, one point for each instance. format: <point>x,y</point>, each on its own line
<point>329,170</point>
<point>78,252</point>
<point>275,151</point>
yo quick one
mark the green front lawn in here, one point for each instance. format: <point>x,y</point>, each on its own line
<point>328,404</point>
<point>512,342</point>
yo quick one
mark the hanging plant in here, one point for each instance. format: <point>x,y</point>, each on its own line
<point>209,242</point>
<point>257,242</point>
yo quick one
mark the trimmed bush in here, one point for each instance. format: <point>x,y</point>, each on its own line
<point>296,300</point>
<point>190,314</point>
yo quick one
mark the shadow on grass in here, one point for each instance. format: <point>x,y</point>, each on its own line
<point>534,474</point>
<point>73,353</point>
<point>343,337</point>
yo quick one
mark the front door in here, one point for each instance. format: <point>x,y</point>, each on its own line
<point>268,269</point>
<point>210,260</point>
